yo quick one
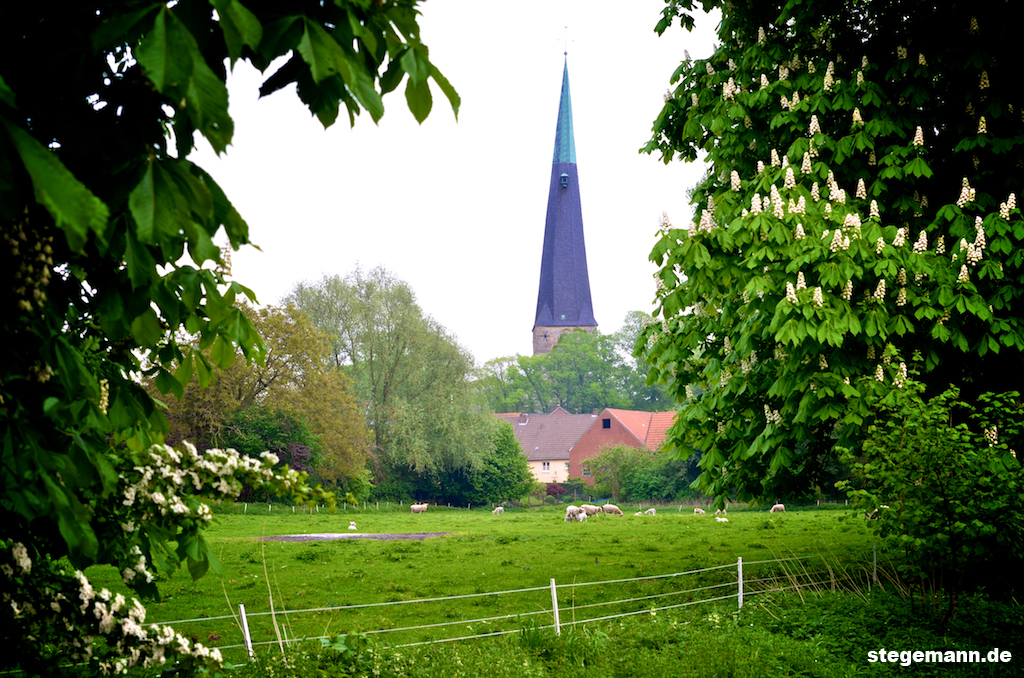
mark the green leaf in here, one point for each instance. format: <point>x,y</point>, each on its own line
<point>419,99</point>
<point>158,207</point>
<point>74,208</point>
<point>223,353</point>
<point>240,27</point>
<point>146,328</point>
<point>415,65</point>
<point>6,93</point>
<point>446,87</point>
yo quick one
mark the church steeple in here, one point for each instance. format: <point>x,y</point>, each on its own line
<point>563,302</point>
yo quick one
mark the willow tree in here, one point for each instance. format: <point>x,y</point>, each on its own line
<point>108,253</point>
<point>857,226</point>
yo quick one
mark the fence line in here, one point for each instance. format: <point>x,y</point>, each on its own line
<point>744,587</point>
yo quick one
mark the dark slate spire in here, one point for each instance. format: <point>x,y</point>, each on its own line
<point>563,301</point>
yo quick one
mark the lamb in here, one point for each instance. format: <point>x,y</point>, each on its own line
<point>638,513</point>
<point>698,511</point>
<point>780,508</point>
<point>590,509</point>
<point>581,516</point>
<point>499,511</point>
<point>612,509</point>
<point>651,511</point>
<point>721,512</point>
<point>571,511</point>
<point>419,508</point>
<point>719,519</point>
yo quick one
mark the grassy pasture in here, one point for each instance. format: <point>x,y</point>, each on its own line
<point>482,553</point>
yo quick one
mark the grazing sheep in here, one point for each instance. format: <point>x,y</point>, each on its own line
<point>719,519</point>
<point>651,511</point>
<point>419,508</point>
<point>352,525</point>
<point>721,512</point>
<point>581,516</point>
<point>638,513</point>
<point>778,508</point>
<point>590,509</point>
<point>612,509</point>
<point>698,511</point>
<point>499,511</point>
<point>571,512</point>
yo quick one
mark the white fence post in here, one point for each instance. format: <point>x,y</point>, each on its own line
<point>739,567</point>
<point>554,606</point>
<point>245,631</point>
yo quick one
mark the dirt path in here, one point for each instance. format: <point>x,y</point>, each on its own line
<point>334,536</point>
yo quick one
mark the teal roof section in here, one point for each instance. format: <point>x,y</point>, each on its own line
<point>565,147</point>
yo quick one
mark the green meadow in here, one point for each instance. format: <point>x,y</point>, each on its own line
<point>828,561</point>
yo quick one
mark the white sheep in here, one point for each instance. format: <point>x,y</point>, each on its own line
<point>352,525</point>
<point>590,509</point>
<point>651,511</point>
<point>720,519</point>
<point>419,508</point>
<point>612,509</point>
<point>571,511</point>
<point>721,512</point>
<point>499,511</point>
<point>581,516</point>
<point>778,508</point>
<point>638,513</point>
<point>698,511</point>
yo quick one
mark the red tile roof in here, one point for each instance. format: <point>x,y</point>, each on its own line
<point>648,427</point>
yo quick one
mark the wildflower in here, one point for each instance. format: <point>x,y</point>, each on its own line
<point>732,65</point>
<point>790,293</point>
<point>901,298</point>
<point>921,244</point>
<point>693,99</point>
<point>790,181</point>
<point>761,36</point>
<point>822,362</point>
<point>964,276</point>
<point>814,192</point>
<point>901,277</point>
<point>879,245</point>
<point>815,128</point>
<point>735,180</point>
<point>783,72</point>
<point>879,374</point>
<point>860,81</point>
<point>710,68</point>
<point>805,166</point>
<point>872,160</point>
<point>801,206</point>
<point>918,136</point>
<point>875,214</point>
<point>810,67</point>
<point>764,81</point>
<point>800,284</point>
<point>979,233</point>
<point>760,167</point>
<point>21,557</point>
<point>799,232</point>
<point>862,191</point>
<point>775,158</point>
<point>984,82</point>
<point>966,193</point>
<point>777,202</point>
<point>847,291</point>
<point>795,101</point>
<point>901,375</point>
<point>940,245</point>
<point>857,120</point>
<point>837,241</point>
<point>901,52</point>
<point>755,204</point>
<point>729,90</point>
<point>818,299</point>
<point>982,127</point>
<point>829,79</point>
<point>726,345</point>
<point>901,237</point>
<point>747,122</point>
<point>880,290</point>
<point>921,61</point>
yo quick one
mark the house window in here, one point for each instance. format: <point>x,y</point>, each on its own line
<point>545,466</point>
<point>586,471</point>
<point>606,423</point>
<point>566,467</point>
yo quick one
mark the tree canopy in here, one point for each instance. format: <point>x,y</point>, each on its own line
<point>110,260</point>
<point>858,224</point>
<point>409,375</point>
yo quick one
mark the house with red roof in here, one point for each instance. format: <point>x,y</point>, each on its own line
<point>558,444</point>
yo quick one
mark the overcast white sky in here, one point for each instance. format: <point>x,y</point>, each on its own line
<point>456,209</point>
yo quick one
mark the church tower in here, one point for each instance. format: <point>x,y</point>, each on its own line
<point>563,302</point>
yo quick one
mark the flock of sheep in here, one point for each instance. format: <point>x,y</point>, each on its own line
<point>581,512</point>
